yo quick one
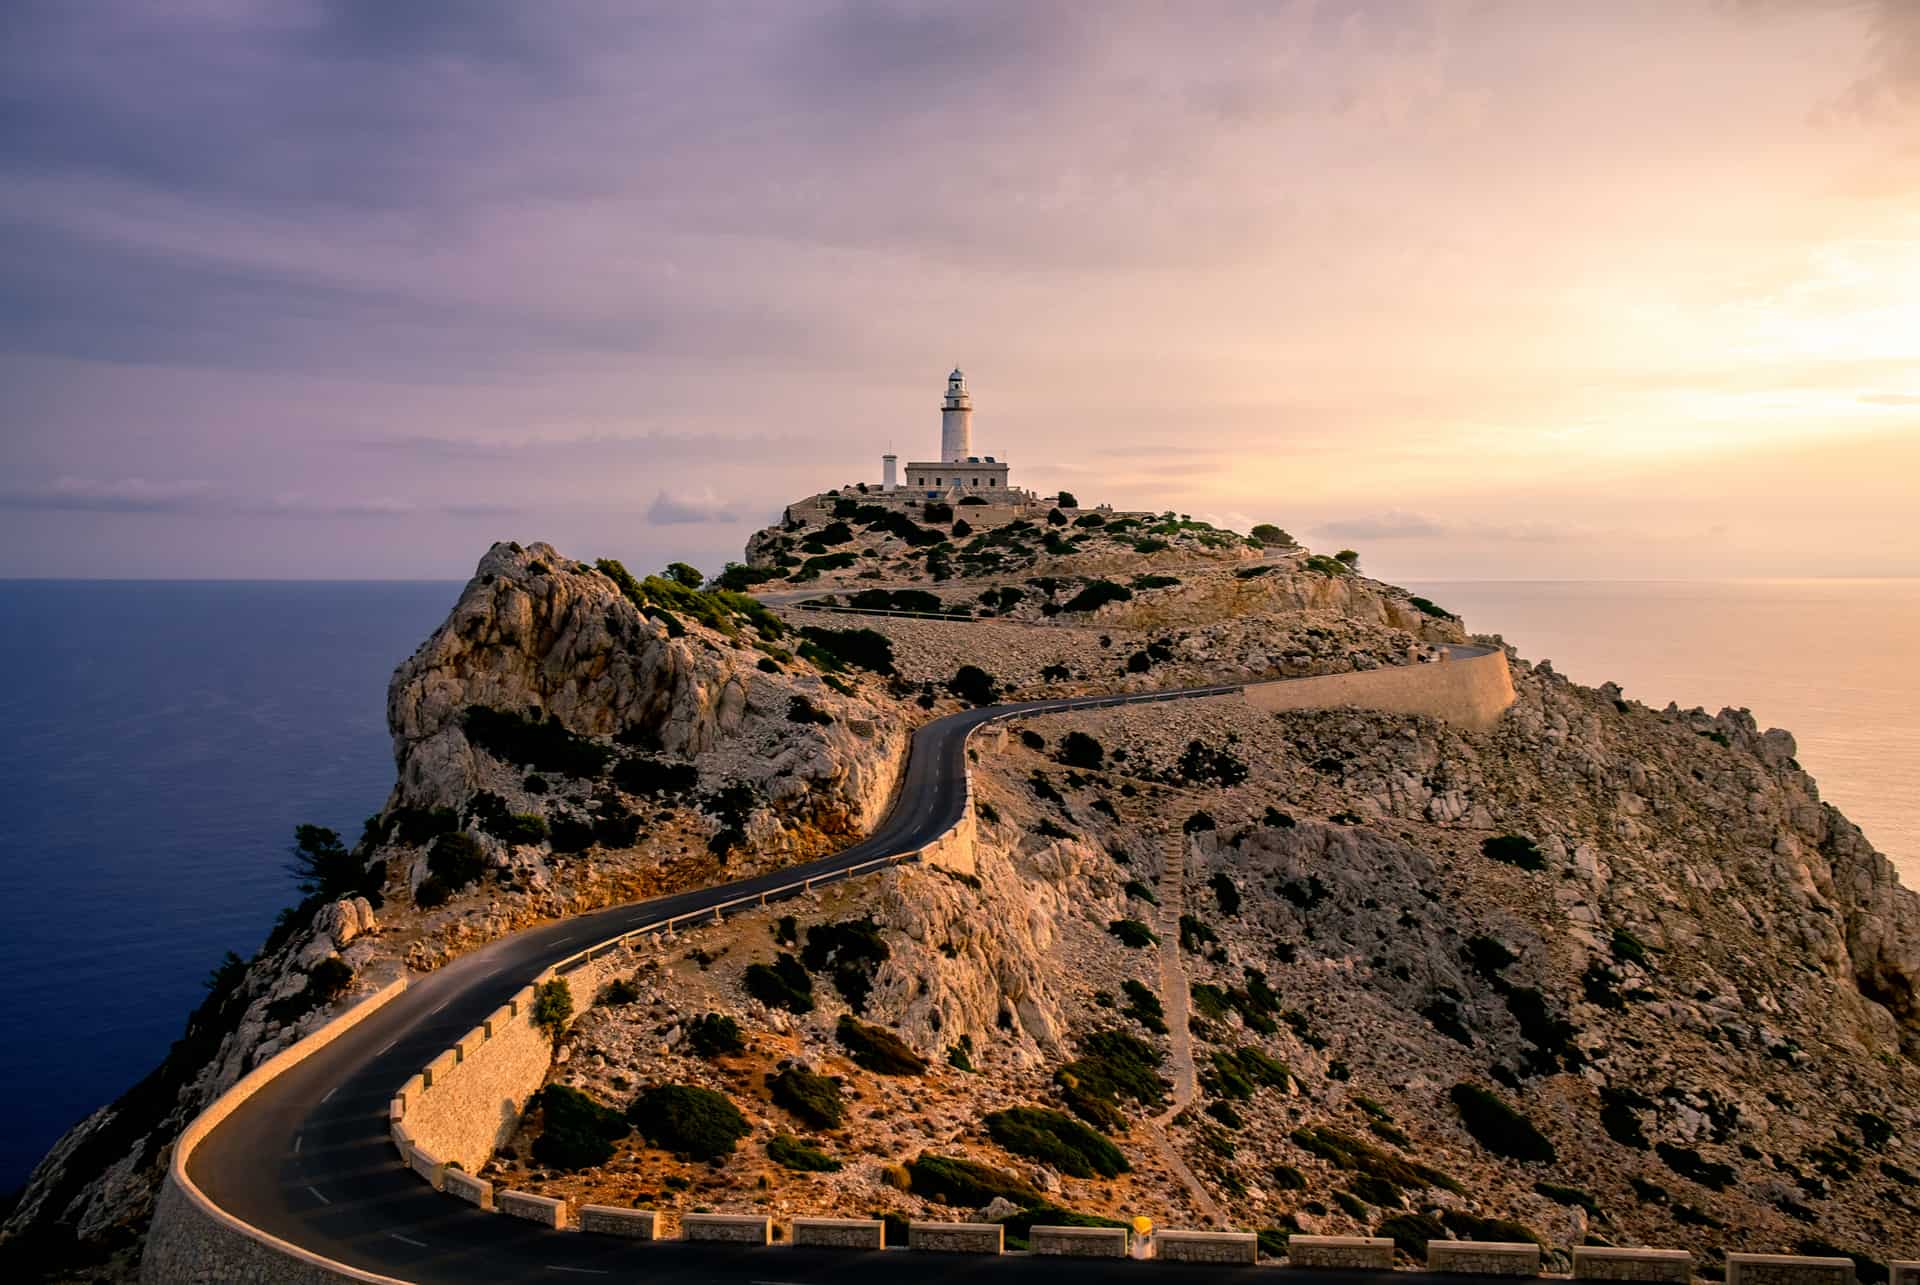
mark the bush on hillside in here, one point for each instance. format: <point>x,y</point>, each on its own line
<point>1226,891</point>
<point>552,1006</point>
<point>543,746</point>
<point>1498,1127</point>
<point>967,1184</point>
<point>803,711</point>
<point>850,953</point>
<point>974,685</point>
<point>1144,1007</point>
<point>813,1099</point>
<point>1056,1139</point>
<point>781,984</point>
<point>713,1034</point>
<point>1344,1151</point>
<point>578,1131</point>
<point>692,1122</point>
<point>1097,594</point>
<point>645,774</point>
<point>456,860</point>
<point>790,1152</point>
<point>1132,933</point>
<point>1514,850</point>
<point>836,649</point>
<point>1082,750</point>
<point>877,1049</point>
<point>1272,536</point>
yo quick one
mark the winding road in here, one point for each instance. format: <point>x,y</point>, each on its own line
<point>308,1158</point>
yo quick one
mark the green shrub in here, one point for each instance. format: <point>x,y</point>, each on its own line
<point>456,860</point>
<point>692,1122</point>
<point>646,774</point>
<point>620,990</point>
<point>1287,1178</point>
<point>1144,1006</point>
<point>850,953</point>
<point>802,710</point>
<point>1135,888</point>
<point>790,1152</point>
<point>1272,536</point>
<point>834,649</point>
<point>1054,1138</point>
<point>1515,850</point>
<point>1344,1151</point>
<point>578,1131</point>
<point>1082,751</point>
<point>1018,1227</point>
<point>968,1184</point>
<point>1322,565</point>
<point>321,865</point>
<point>1132,933</point>
<point>552,1006</point>
<point>1154,582</point>
<point>1563,1195</point>
<point>1411,1232</point>
<point>430,893</point>
<point>877,1049</point>
<point>1112,1065</point>
<point>1237,1073</point>
<point>1097,594</point>
<point>782,984</point>
<point>713,1034</point>
<point>1201,763</point>
<point>974,685</point>
<point>813,1099</point>
<point>1428,607</point>
<point>543,746</point>
<point>1498,1127</point>
<point>1194,934</point>
<point>415,826</point>
<point>1617,1107</point>
<point>1689,1163</point>
<point>1226,892</point>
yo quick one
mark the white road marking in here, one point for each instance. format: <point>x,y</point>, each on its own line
<point>317,1196</point>
<point>296,1144</point>
<point>443,1004</point>
<point>578,1271</point>
<point>390,1043</point>
<point>408,1240</point>
<point>330,1092</point>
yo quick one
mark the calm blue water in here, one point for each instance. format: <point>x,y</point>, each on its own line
<point>158,743</point>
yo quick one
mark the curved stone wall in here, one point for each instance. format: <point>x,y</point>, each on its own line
<point>193,1241</point>
<point>1470,692</point>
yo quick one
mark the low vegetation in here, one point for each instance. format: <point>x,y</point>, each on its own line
<point>1056,1139</point>
<point>692,1122</point>
<point>578,1131</point>
<point>1498,1127</point>
<point>813,1099</point>
<point>877,1049</point>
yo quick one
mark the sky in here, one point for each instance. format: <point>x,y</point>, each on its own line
<point>1481,288</point>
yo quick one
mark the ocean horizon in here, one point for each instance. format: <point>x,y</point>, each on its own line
<point>169,734</point>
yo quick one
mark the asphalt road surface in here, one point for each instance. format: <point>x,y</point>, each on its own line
<point>309,1159</point>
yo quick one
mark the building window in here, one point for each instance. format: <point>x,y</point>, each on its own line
<point>993,481</point>
<point>938,482</point>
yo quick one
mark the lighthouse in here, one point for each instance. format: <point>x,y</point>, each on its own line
<point>956,420</point>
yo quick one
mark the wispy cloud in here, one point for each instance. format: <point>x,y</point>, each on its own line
<point>1891,399</point>
<point>144,495</point>
<point>687,509</point>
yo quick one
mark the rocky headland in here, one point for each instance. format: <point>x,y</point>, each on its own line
<point>1604,973</point>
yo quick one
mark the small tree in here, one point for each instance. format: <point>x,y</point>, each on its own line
<point>552,1006</point>
<point>1272,536</point>
<point>320,863</point>
<point>936,511</point>
<point>962,529</point>
<point>1068,500</point>
<point>685,573</point>
<point>973,685</point>
<point>1056,518</point>
<point>1348,558</point>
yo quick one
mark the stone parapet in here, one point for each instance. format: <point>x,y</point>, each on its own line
<point>438,1069</point>
<point>730,1229</point>
<point>463,1185</point>
<point>1368,1253</point>
<point>607,1220</point>
<point>1788,1269</point>
<point>1604,1263</point>
<point>1078,1242</point>
<point>1470,692</point>
<point>427,1165</point>
<point>1222,1247</point>
<point>1902,1272</point>
<point>1484,1257</point>
<point>544,1210</point>
<point>839,1233</point>
<point>957,1238</point>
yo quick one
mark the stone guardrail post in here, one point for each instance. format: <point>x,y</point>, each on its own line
<point>729,1229</point>
<point>957,1238</point>
<point>1903,1272</point>
<point>1484,1257</point>
<point>1788,1269</point>
<point>1601,1263</point>
<point>1223,1247</point>
<point>608,1220</point>
<point>1370,1253</point>
<point>839,1233</point>
<point>545,1210</point>
<point>1078,1242</point>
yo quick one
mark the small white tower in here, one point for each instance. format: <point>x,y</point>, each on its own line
<point>956,420</point>
<point>889,472</point>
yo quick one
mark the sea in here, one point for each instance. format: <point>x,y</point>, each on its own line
<point>159,741</point>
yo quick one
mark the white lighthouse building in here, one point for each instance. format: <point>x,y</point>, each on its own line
<point>958,471</point>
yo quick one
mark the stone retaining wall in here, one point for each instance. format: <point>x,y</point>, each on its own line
<point>957,1238</point>
<point>839,1233</point>
<point>729,1229</point>
<point>545,1210</point>
<point>1079,1242</point>
<point>1225,1247</point>
<point>1787,1269</point>
<point>1472,692</point>
<point>1370,1253</point>
<point>1484,1257</point>
<point>636,1224</point>
<point>193,1241</point>
<point>1597,1263</point>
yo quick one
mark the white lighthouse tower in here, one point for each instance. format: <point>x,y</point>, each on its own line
<point>956,420</point>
